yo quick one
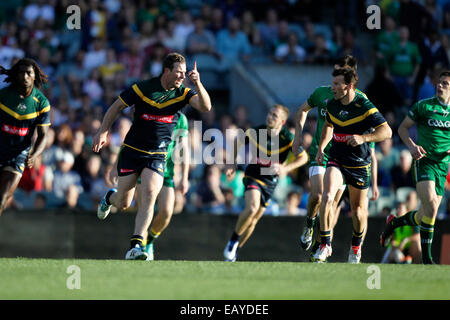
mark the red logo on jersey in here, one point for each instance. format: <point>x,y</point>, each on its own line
<point>153,117</point>
<point>340,137</point>
<point>126,170</point>
<point>15,130</point>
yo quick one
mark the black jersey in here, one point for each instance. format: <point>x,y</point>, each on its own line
<point>358,117</point>
<point>155,115</point>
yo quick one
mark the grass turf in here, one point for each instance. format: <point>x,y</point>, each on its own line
<point>23,278</point>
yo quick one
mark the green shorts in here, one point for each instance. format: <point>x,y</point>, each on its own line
<point>429,170</point>
<point>168,182</point>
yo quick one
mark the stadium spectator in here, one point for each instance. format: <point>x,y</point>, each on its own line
<point>386,39</point>
<point>209,196</point>
<point>66,183</point>
<point>109,70</point>
<point>388,156</point>
<point>217,22</point>
<point>401,173</point>
<point>95,56</point>
<point>232,45</point>
<point>133,60</point>
<point>404,63</point>
<point>292,205</point>
<point>319,53</point>
<point>250,28</point>
<point>92,179</point>
<point>290,52</point>
<point>200,41</point>
<point>269,30</point>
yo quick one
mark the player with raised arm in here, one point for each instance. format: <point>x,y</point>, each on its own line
<point>352,122</point>
<point>431,158</point>
<point>23,110</point>
<point>143,153</point>
<point>272,142</point>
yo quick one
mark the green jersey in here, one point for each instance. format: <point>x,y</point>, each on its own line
<point>180,131</point>
<point>403,59</point>
<point>19,118</point>
<point>433,127</point>
<point>319,99</point>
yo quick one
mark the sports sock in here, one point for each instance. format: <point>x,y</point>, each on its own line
<point>311,222</point>
<point>136,240</point>
<point>152,235</point>
<point>357,238</point>
<point>325,237</point>
<point>235,237</point>
<point>408,219</point>
<point>426,239</point>
<point>108,194</point>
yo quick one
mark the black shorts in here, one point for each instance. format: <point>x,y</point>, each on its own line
<point>17,163</point>
<point>266,188</point>
<point>358,177</point>
<point>133,161</point>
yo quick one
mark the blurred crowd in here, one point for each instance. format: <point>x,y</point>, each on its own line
<point>120,42</point>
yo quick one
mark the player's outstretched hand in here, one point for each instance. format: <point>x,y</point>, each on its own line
<point>193,75</point>
<point>30,161</point>
<point>319,157</point>
<point>99,141</point>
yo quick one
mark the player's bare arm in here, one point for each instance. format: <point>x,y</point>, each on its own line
<point>201,101</point>
<point>300,160</point>
<point>111,115</point>
<point>325,138</point>
<point>230,168</point>
<point>381,133</point>
<point>300,119</point>
<point>375,192</point>
<point>39,145</point>
<point>184,183</point>
<point>416,151</point>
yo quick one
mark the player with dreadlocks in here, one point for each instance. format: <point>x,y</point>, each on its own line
<point>23,108</point>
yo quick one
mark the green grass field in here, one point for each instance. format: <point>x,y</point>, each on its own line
<point>22,278</point>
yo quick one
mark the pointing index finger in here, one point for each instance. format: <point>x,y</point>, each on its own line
<point>195,65</point>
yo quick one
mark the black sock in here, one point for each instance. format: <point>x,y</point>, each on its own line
<point>136,240</point>
<point>108,194</point>
<point>357,238</point>
<point>426,239</point>
<point>325,237</point>
<point>235,237</point>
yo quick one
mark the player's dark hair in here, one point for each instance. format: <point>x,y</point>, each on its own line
<point>11,74</point>
<point>350,75</point>
<point>445,73</point>
<point>171,59</point>
<point>347,61</point>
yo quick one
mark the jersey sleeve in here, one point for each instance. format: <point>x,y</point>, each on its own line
<point>374,117</point>
<point>191,93</point>
<point>414,113</point>
<point>44,113</point>
<point>129,96</point>
<point>312,99</point>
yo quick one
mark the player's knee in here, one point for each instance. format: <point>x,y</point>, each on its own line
<point>316,197</point>
<point>123,204</point>
<point>359,212</point>
<point>327,199</point>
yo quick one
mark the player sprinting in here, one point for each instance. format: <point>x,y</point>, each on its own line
<point>143,153</point>
<point>270,139</point>
<point>431,157</point>
<point>352,122</point>
<point>318,99</point>
<point>166,197</point>
<point>23,110</point>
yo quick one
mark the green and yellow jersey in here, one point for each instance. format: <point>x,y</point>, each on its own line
<point>267,151</point>
<point>19,118</point>
<point>319,99</point>
<point>155,115</point>
<point>358,117</point>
